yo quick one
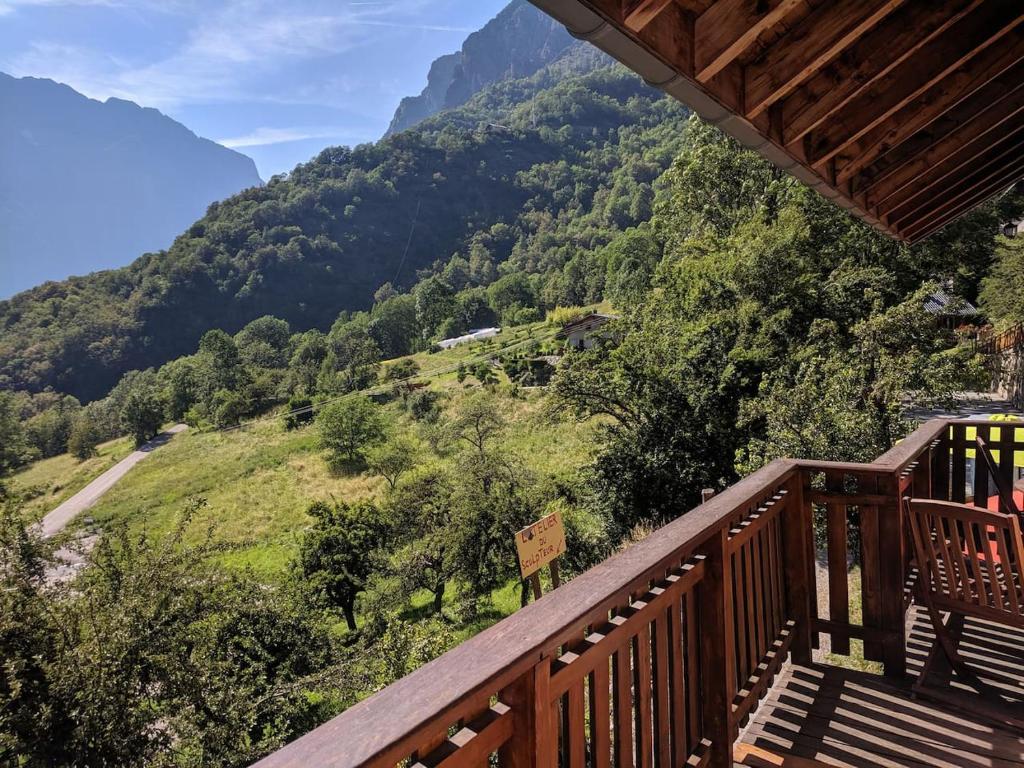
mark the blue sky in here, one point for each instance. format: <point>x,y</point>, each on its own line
<point>276,79</point>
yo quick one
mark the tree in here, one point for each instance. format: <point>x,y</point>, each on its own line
<point>1002,291</point>
<point>423,515</point>
<point>219,365</point>
<point>14,449</point>
<point>142,413</point>
<point>263,343</point>
<point>306,361</point>
<point>392,459</point>
<point>476,420</point>
<point>85,437</point>
<point>154,654</point>
<point>349,426</point>
<point>336,555</point>
<point>351,361</point>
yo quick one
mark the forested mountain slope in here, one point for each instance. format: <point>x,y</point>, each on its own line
<point>87,184</point>
<point>515,44</point>
<point>574,166</point>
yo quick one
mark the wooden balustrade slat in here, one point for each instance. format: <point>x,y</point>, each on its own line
<point>746,588</point>
<point>642,695</point>
<point>717,643</point>
<point>940,472</point>
<point>662,677</point>
<point>981,479</point>
<point>622,704</point>
<point>959,463</point>
<point>693,721</point>
<point>738,611</point>
<point>677,662</point>
<point>574,727</point>
<point>870,577</point>
<point>600,715</point>
<point>836,546</point>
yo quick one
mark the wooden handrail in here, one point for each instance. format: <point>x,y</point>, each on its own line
<point>703,611</point>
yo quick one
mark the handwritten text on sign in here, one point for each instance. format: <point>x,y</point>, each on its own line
<point>540,543</point>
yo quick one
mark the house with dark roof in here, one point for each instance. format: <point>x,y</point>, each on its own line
<point>584,332</point>
<point>950,310</point>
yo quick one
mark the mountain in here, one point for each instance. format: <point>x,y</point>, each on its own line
<point>514,44</point>
<point>86,185</point>
<point>530,176</point>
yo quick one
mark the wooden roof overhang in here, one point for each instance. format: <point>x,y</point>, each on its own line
<point>907,112</point>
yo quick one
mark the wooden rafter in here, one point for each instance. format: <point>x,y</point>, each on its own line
<point>638,15</point>
<point>876,54</point>
<point>729,27</point>
<point>900,87</point>
<point>985,68</point>
<point>911,111</point>
<point>936,152</point>
<point>818,39</point>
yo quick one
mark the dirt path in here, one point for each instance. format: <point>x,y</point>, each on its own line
<point>55,520</point>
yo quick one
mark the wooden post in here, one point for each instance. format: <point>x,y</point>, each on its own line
<point>718,652</point>
<point>797,548</point>
<point>535,581</point>
<point>531,744</point>
<point>891,568</point>
<point>556,581</point>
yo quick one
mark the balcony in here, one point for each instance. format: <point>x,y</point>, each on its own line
<point>696,647</point>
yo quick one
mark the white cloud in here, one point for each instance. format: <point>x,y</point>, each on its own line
<point>262,137</point>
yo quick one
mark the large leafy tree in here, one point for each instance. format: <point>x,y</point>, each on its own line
<point>336,555</point>
<point>349,426</point>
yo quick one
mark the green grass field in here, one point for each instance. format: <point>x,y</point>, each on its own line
<point>258,481</point>
<point>48,482</point>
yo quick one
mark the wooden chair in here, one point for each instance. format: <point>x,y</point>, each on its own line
<point>963,579</point>
<point>1005,490</point>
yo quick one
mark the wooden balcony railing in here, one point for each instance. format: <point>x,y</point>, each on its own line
<point>656,657</point>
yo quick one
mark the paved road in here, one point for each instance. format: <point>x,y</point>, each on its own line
<point>55,520</point>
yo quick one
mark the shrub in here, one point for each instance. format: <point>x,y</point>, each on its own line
<point>299,413</point>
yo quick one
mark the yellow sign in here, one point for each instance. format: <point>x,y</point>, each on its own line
<point>540,543</point>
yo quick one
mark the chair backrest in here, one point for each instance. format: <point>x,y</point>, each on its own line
<point>1003,488</point>
<point>969,559</point>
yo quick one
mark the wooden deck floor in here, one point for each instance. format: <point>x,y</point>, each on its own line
<point>849,718</point>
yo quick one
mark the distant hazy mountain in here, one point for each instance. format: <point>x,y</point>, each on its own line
<point>514,44</point>
<point>88,185</point>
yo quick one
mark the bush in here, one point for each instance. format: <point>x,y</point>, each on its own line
<point>300,412</point>
<point>84,438</point>
<point>228,408</point>
<point>403,369</point>
<point>422,405</point>
<point>564,315</point>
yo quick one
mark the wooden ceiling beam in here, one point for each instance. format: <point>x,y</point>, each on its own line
<point>963,210</point>
<point>933,62</point>
<point>988,67</point>
<point>942,148</point>
<point>877,53</point>
<point>637,15</point>
<point>990,166</point>
<point>814,42</point>
<point>729,27</point>
<point>924,225</point>
<point>946,175</point>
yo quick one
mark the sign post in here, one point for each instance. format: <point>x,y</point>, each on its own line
<point>539,544</point>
